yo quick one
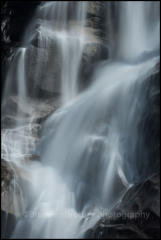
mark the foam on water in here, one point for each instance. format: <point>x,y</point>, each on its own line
<point>88,147</point>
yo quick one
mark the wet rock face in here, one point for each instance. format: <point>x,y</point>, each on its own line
<point>136,217</point>
<point>14,20</point>
<point>50,67</point>
<point>93,54</point>
<point>20,137</point>
<point>6,174</point>
<point>45,73</point>
<point>8,224</point>
<point>15,17</point>
<point>13,198</point>
<point>150,124</point>
<point>95,50</point>
<point>7,178</point>
<point>32,111</point>
<point>15,14</point>
<point>96,17</point>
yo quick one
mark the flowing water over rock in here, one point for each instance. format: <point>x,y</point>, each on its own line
<point>144,23</point>
<point>89,146</point>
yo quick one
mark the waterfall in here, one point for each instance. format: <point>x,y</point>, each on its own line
<point>58,27</point>
<point>62,24</point>
<point>17,75</point>
<point>88,147</point>
<point>144,23</point>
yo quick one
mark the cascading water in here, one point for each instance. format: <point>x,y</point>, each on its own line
<point>88,148</point>
<point>141,15</point>
<point>62,25</point>
<point>57,25</point>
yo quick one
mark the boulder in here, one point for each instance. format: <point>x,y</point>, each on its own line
<point>93,54</point>
<point>43,69</point>
<point>94,8</point>
<point>29,111</point>
<point>96,17</point>
<point>12,195</point>
<point>137,216</point>
<point>8,224</point>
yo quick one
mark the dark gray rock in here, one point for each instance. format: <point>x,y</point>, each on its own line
<point>136,217</point>
<point>8,224</point>
<point>31,110</point>
<point>93,54</point>
<point>10,173</point>
<point>96,17</point>
<point>41,62</point>
<point>43,69</point>
<point>15,16</point>
<point>95,8</point>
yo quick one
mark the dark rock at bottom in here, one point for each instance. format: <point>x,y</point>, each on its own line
<point>137,216</point>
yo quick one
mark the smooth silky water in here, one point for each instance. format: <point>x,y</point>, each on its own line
<point>88,146</point>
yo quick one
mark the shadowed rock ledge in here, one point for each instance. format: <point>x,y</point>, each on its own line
<point>137,216</point>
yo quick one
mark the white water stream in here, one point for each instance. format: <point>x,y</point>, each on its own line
<point>88,146</point>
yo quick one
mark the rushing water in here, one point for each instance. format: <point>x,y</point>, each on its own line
<point>65,26</point>
<point>88,147</point>
<point>144,23</point>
